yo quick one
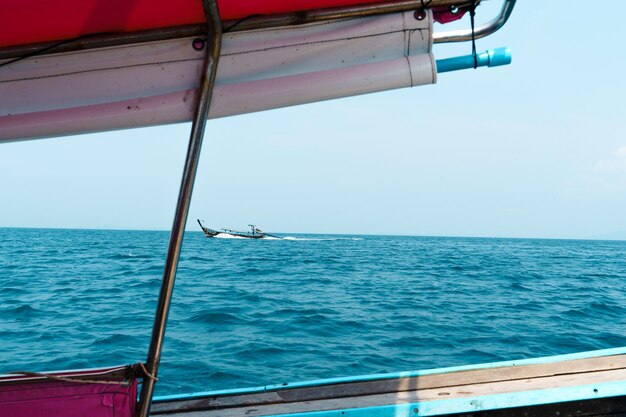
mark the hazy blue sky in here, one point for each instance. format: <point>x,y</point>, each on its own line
<point>535,149</point>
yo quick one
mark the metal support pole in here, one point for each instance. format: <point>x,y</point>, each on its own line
<point>205,92</point>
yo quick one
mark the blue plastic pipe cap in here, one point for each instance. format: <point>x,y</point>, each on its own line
<point>499,56</point>
<point>490,58</point>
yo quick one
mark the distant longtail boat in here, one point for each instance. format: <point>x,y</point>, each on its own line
<point>254,233</point>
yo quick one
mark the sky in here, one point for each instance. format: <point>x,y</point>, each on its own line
<point>533,149</point>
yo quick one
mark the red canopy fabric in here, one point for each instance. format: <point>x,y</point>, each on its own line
<point>33,21</point>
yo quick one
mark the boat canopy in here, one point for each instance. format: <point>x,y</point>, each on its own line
<point>90,65</point>
<point>152,83</point>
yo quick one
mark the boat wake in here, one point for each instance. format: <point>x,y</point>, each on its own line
<point>227,236</point>
<point>321,238</point>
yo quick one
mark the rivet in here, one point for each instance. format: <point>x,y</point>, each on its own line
<point>198,44</point>
<point>420,14</point>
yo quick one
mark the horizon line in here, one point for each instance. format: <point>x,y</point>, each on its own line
<point>332,234</point>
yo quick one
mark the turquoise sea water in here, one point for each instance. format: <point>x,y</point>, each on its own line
<point>249,313</point>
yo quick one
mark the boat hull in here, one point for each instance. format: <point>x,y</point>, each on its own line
<point>214,233</point>
<point>589,384</point>
<point>229,232</point>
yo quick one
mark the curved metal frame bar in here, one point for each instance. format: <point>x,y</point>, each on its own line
<point>480,32</point>
<point>214,43</point>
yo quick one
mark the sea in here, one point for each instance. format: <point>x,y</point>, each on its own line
<point>248,313</point>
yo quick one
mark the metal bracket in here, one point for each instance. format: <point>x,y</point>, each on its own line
<point>481,31</point>
<point>205,92</point>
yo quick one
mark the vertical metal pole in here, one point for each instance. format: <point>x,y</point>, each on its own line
<point>214,42</point>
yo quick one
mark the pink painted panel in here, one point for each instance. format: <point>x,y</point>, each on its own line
<point>68,399</point>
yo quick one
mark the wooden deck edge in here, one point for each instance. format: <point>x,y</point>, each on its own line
<point>590,398</point>
<point>457,384</point>
<point>491,388</point>
<point>396,375</point>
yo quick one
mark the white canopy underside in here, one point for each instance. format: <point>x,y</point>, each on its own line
<point>154,83</point>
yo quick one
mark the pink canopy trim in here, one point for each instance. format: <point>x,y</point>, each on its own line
<point>52,398</point>
<point>443,14</point>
